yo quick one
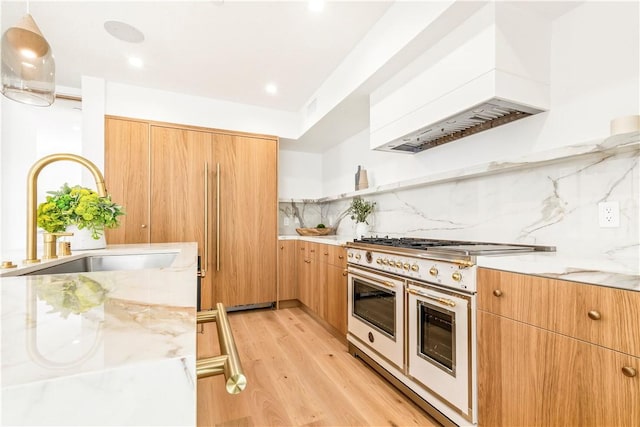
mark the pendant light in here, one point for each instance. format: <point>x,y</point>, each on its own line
<point>28,67</point>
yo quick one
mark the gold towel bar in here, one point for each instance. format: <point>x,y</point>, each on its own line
<point>228,363</point>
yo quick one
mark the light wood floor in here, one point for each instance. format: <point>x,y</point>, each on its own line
<point>300,375</point>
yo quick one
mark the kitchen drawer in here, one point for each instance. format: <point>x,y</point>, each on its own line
<point>597,314</point>
<point>308,250</point>
<point>334,255</point>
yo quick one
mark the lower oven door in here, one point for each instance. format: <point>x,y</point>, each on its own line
<point>439,325</point>
<point>376,313</point>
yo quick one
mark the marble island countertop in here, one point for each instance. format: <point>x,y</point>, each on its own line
<point>617,272</point>
<point>103,347</point>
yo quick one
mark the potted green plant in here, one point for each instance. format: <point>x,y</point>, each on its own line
<point>79,208</point>
<point>360,209</point>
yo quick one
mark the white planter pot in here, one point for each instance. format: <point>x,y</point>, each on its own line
<point>82,240</point>
<point>362,229</point>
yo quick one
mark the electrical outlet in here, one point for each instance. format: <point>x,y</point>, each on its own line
<point>609,214</point>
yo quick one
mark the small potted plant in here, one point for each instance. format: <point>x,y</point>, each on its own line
<point>360,209</point>
<point>77,209</point>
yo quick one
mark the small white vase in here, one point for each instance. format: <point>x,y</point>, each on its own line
<point>362,229</point>
<point>82,240</point>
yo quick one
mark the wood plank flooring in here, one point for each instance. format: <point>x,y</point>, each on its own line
<point>300,375</point>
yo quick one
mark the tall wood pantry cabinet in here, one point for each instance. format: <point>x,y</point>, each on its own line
<point>217,188</point>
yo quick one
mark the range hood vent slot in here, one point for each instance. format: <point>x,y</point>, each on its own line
<point>493,113</point>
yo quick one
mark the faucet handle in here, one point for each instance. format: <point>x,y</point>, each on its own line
<point>50,244</point>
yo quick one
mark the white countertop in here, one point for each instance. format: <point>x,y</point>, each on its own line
<point>129,359</point>
<point>327,240</point>
<point>617,273</point>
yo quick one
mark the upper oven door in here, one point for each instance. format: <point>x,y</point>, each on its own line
<point>440,342</point>
<point>376,313</point>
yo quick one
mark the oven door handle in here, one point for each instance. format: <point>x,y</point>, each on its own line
<point>444,301</point>
<point>377,282</point>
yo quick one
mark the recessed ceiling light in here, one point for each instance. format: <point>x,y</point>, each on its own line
<point>271,89</point>
<point>316,5</point>
<point>123,31</point>
<point>136,62</point>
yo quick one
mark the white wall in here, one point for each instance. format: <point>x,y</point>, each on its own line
<point>595,77</point>
<point>299,175</point>
<point>29,133</point>
<point>151,104</point>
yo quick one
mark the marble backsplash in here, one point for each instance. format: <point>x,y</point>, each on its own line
<point>553,203</point>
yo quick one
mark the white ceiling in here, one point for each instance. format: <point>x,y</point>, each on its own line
<point>218,49</point>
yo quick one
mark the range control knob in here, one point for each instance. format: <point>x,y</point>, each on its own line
<point>415,267</point>
<point>358,256</point>
<point>457,276</point>
<point>399,264</point>
<point>350,255</point>
<point>433,271</point>
<point>385,261</point>
<point>406,266</point>
<point>378,261</point>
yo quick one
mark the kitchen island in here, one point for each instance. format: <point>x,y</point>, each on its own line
<point>102,347</point>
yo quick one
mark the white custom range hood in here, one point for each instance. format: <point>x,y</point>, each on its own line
<point>490,70</point>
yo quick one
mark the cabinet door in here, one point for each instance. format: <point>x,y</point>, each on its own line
<point>533,377</point>
<point>179,159</point>
<point>248,230</point>
<point>287,288</point>
<point>337,298</point>
<point>126,161</point>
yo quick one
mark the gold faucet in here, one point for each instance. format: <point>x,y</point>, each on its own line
<point>32,195</point>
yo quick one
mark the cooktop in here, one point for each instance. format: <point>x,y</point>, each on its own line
<point>450,246</point>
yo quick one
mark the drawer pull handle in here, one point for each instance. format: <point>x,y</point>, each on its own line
<point>629,371</point>
<point>497,292</point>
<point>594,315</point>
<point>344,273</point>
<point>340,256</point>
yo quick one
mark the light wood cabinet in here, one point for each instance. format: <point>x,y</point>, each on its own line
<point>287,272</point>
<point>322,282</point>
<point>217,188</point>
<point>534,370</point>
<point>126,170</point>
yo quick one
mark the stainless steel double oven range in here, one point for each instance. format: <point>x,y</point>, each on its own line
<point>412,317</point>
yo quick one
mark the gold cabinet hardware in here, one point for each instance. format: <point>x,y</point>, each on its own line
<point>203,267</point>
<point>457,276</point>
<point>281,247</point>
<point>228,363</point>
<point>399,264</point>
<point>8,264</point>
<point>389,284</point>
<point>497,292</point>
<point>344,273</point>
<point>340,256</point>
<point>406,266</point>
<point>433,271</point>
<point>326,253</point>
<point>415,267</point>
<point>312,250</point>
<point>629,371</point>
<point>308,261</point>
<point>143,226</point>
<point>379,261</point>
<point>594,315</point>
<point>218,195</point>
<point>385,261</point>
<point>302,249</point>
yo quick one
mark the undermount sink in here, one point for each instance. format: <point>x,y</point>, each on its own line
<point>109,263</point>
